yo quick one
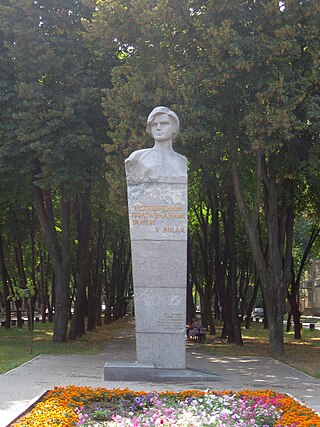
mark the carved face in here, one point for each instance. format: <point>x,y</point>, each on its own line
<point>162,127</point>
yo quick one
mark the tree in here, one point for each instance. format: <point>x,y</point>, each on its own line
<point>221,67</point>
<point>55,133</point>
<point>276,126</point>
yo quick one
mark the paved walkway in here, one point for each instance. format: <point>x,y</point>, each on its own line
<point>19,387</point>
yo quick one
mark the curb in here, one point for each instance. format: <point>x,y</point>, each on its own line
<point>31,405</point>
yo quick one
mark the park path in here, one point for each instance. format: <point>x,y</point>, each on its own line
<point>19,387</point>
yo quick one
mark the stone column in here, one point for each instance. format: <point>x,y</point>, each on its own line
<point>158,229</point>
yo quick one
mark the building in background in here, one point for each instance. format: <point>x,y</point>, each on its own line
<point>310,292</point>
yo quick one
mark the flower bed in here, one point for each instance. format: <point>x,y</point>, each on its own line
<point>76,406</point>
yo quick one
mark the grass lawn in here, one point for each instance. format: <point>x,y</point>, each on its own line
<point>17,346</point>
<point>301,354</point>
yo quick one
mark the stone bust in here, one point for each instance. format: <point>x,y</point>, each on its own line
<point>159,163</point>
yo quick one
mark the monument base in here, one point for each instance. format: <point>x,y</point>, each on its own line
<point>128,371</point>
<point>134,371</point>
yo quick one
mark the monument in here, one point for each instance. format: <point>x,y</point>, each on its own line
<point>157,202</point>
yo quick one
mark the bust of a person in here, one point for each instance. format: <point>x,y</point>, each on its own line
<point>161,162</point>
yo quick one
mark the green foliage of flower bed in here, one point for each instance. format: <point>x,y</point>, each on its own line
<point>207,410</point>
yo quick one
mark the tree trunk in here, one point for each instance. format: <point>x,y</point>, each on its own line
<point>59,259</point>
<point>234,329</point>
<point>97,275</point>
<point>252,302</point>
<point>77,327</point>
<point>206,312</point>
<point>109,292</point>
<point>205,242</point>
<point>18,303</point>
<point>92,305</point>
<point>191,309</point>
<point>295,313</point>
<point>6,286</point>
<point>219,266</point>
<point>119,278</point>
<point>23,283</point>
<point>62,281</point>
<point>244,288</point>
<point>34,293</point>
<point>50,302</point>
<point>43,287</point>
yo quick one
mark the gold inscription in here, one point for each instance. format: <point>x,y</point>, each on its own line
<point>142,222</point>
<point>173,229</point>
<point>157,208</point>
<point>147,215</point>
